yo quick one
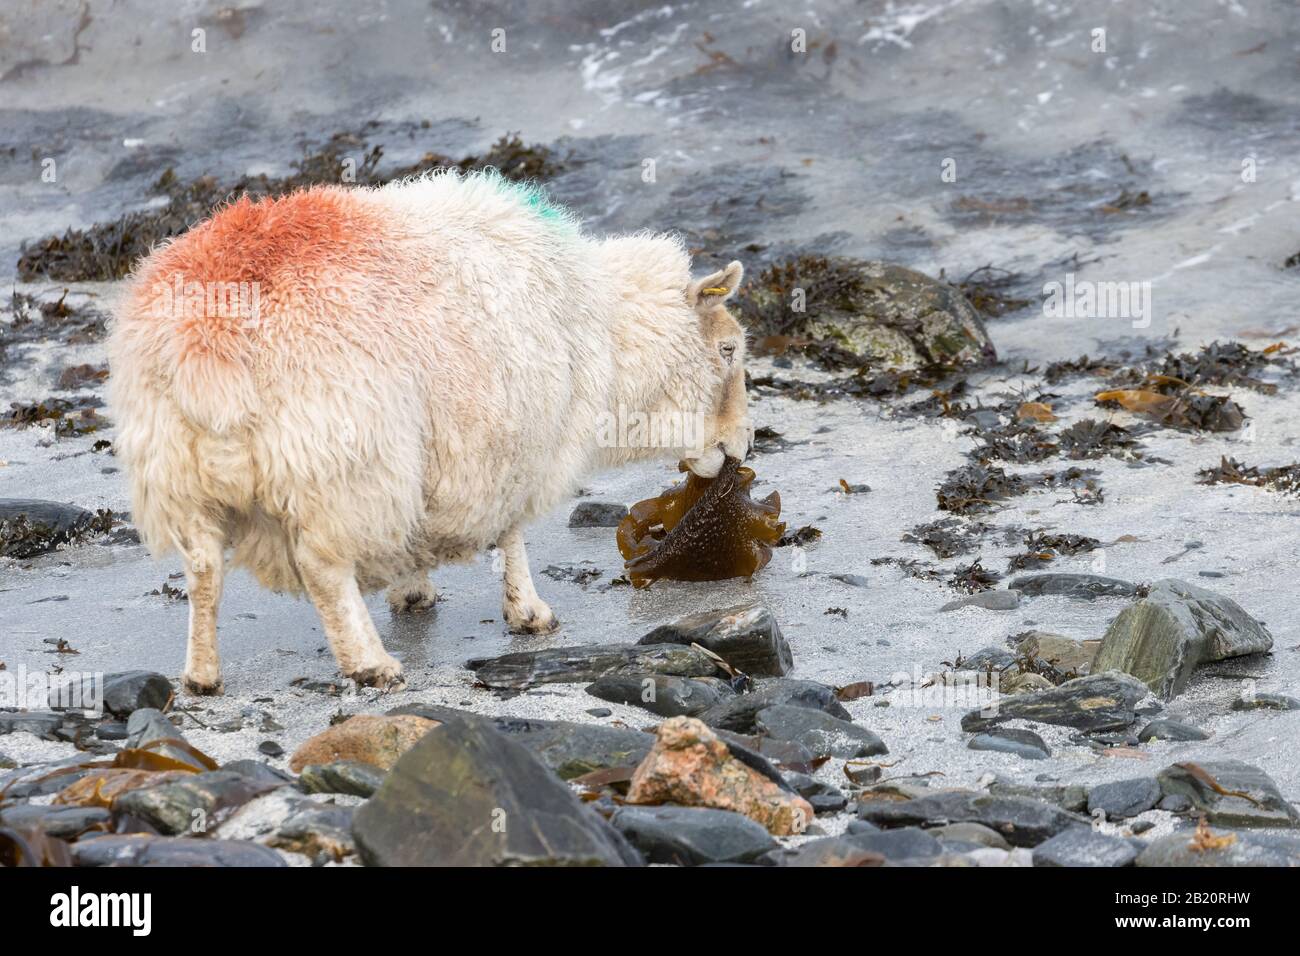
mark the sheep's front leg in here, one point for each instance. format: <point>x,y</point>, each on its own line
<point>205,559</point>
<point>332,587</point>
<point>523,610</point>
<point>412,594</point>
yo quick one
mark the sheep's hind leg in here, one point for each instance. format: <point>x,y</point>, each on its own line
<point>523,610</point>
<point>412,594</point>
<point>351,633</point>
<point>204,552</point>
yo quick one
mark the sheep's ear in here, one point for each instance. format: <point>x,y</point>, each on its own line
<point>715,289</point>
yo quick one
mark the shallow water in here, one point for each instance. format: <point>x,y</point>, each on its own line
<point>758,152</point>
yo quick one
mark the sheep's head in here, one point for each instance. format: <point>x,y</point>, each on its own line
<point>726,428</point>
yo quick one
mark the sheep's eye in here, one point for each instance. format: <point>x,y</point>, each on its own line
<point>728,349</point>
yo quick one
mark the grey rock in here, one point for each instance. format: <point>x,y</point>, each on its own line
<point>589,662</point>
<point>837,851</point>
<point>140,850</point>
<point>1166,729</point>
<point>572,749</point>
<point>1065,654</point>
<point>739,714</point>
<point>1085,587</point>
<point>29,527</point>
<point>823,797</point>
<point>821,733</point>
<point>852,580</point>
<point>1163,637</point>
<point>568,748</point>
<point>1083,846</point>
<point>1124,798</point>
<point>286,820</point>
<point>973,834</point>
<point>891,316</point>
<point>745,636</point>
<point>989,600</point>
<point>38,780</point>
<point>41,724</point>
<point>469,795</point>
<point>1072,797</point>
<point>661,694</point>
<point>193,805</point>
<point>903,843</point>
<point>1021,821</point>
<point>341,776</point>
<point>1260,701</point>
<point>1102,701</point>
<point>1247,848</point>
<point>128,692</point>
<point>150,729</point>
<point>986,657</point>
<point>689,836</point>
<point>63,823</point>
<point>259,771</point>
<point>1022,743</point>
<point>786,753</point>
<point>1263,807</point>
<point>1174,803</point>
<point>597,514</point>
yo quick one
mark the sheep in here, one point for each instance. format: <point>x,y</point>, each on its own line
<point>352,386</point>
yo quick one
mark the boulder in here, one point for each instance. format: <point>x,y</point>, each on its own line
<point>661,694</point>
<point>1103,701</point>
<point>745,636</point>
<point>589,662</point>
<point>1163,637</point>
<point>1021,821</point>
<point>468,795</point>
<point>1086,587</point>
<point>597,514</point>
<point>1230,793</point>
<point>822,734</point>
<point>366,738</point>
<point>137,849</point>
<point>740,713</point>
<point>689,836</point>
<point>1021,743</point>
<point>690,766</point>
<point>1083,846</point>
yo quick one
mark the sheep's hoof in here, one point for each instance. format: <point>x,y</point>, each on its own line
<point>414,601</point>
<point>536,618</point>
<point>199,688</point>
<point>385,676</point>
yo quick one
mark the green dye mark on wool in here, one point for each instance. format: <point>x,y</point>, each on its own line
<point>534,197</point>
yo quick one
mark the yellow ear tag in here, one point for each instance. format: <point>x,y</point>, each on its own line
<point>716,290</point>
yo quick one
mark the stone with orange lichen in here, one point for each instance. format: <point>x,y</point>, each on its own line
<point>366,738</point>
<point>689,765</point>
<point>101,788</point>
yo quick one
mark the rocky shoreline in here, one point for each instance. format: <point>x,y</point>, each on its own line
<point>741,769</point>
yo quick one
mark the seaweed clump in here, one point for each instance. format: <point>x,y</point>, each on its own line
<point>1042,548</point>
<point>948,537</point>
<point>71,417</point>
<point>109,250</point>
<point>703,529</point>
<point>1090,438</point>
<point>1284,478</point>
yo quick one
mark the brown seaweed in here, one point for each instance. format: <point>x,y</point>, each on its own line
<point>703,529</point>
